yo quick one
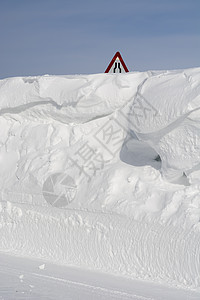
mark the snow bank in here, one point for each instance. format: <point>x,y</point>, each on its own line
<point>102,172</point>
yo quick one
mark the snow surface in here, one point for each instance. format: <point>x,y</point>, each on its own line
<point>102,172</point>
<point>22,278</point>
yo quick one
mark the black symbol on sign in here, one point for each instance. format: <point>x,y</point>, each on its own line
<point>117,66</point>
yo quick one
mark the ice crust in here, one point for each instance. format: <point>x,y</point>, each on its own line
<point>102,172</point>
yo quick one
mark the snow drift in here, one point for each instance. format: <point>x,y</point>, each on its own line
<point>102,172</point>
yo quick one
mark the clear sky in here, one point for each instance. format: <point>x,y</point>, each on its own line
<point>81,36</point>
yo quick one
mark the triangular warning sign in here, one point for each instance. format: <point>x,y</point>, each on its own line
<point>117,65</point>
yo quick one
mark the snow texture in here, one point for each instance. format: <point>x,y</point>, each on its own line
<point>102,172</point>
<point>21,278</point>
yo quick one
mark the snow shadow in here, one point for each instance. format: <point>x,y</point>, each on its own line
<point>139,153</point>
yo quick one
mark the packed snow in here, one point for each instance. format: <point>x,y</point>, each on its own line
<point>22,278</point>
<point>102,172</point>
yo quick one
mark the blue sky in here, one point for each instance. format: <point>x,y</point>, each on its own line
<point>81,36</point>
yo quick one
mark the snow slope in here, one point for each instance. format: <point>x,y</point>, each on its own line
<point>102,172</point>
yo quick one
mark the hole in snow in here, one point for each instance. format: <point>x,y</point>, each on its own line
<point>138,153</point>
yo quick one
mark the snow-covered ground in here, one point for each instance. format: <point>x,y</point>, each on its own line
<point>22,278</point>
<point>101,172</point>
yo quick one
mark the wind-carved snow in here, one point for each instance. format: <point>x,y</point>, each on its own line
<point>102,172</point>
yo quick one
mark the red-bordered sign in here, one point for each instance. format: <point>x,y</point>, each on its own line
<point>117,65</point>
